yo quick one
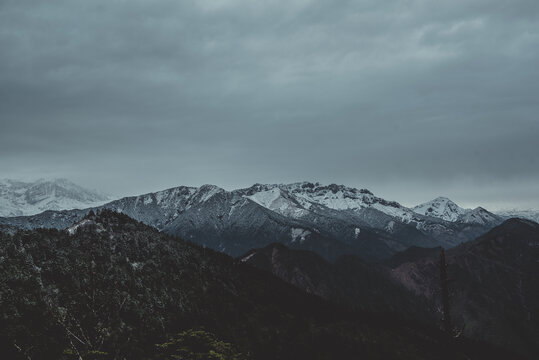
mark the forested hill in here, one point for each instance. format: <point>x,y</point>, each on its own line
<point>112,288</point>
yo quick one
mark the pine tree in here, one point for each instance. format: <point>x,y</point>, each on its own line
<point>444,292</point>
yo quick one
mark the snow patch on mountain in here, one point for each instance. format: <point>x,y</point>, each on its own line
<point>206,192</point>
<point>280,201</point>
<point>85,223</point>
<point>245,259</point>
<point>298,233</point>
<point>266,198</point>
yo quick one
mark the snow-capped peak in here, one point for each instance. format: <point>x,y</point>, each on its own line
<point>447,210</point>
<point>442,208</point>
<point>28,198</point>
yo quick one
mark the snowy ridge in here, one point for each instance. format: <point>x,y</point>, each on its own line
<point>298,198</point>
<point>302,199</point>
<point>160,208</point>
<point>19,198</point>
<point>175,199</point>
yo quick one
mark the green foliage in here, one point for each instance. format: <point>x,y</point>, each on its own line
<point>197,345</point>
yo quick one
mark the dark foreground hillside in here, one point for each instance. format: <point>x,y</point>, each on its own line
<point>494,284</point>
<point>348,281</point>
<point>113,288</point>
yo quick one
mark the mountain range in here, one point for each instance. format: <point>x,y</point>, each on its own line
<point>373,261</point>
<point>331,220</point>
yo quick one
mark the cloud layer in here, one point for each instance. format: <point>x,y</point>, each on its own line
<point>409,98</point>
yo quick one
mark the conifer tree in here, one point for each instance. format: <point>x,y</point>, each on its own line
<point>444,292</point>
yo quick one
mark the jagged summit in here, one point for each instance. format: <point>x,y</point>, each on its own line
<point>307,186</point>
<point>19,198</point>
<point>442,208</point>
<point>293,199</point>
<point>333,196</point>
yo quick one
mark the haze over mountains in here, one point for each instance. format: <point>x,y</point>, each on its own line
<point>20,198</point>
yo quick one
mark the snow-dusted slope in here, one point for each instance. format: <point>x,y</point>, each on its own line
<point>160,208</point>
<point>442,208</point>
<point>275,199</point>
<point>18,198</point>
<point>445,209</point>
<point>479,216</point>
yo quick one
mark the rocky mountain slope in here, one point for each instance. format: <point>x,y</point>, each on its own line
<point>495,283</point>
<point>331,220</point>
<point>109,287</point>
<point>18,198</point>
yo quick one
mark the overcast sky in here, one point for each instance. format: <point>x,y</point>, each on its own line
<point>410,99</point>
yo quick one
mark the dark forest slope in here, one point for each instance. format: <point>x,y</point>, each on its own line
<point>494,284</point>
<point>112,288</point>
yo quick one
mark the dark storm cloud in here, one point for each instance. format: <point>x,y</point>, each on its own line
<point>404,97</point>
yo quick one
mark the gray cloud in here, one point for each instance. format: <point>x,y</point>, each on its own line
<point>414,98</point>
